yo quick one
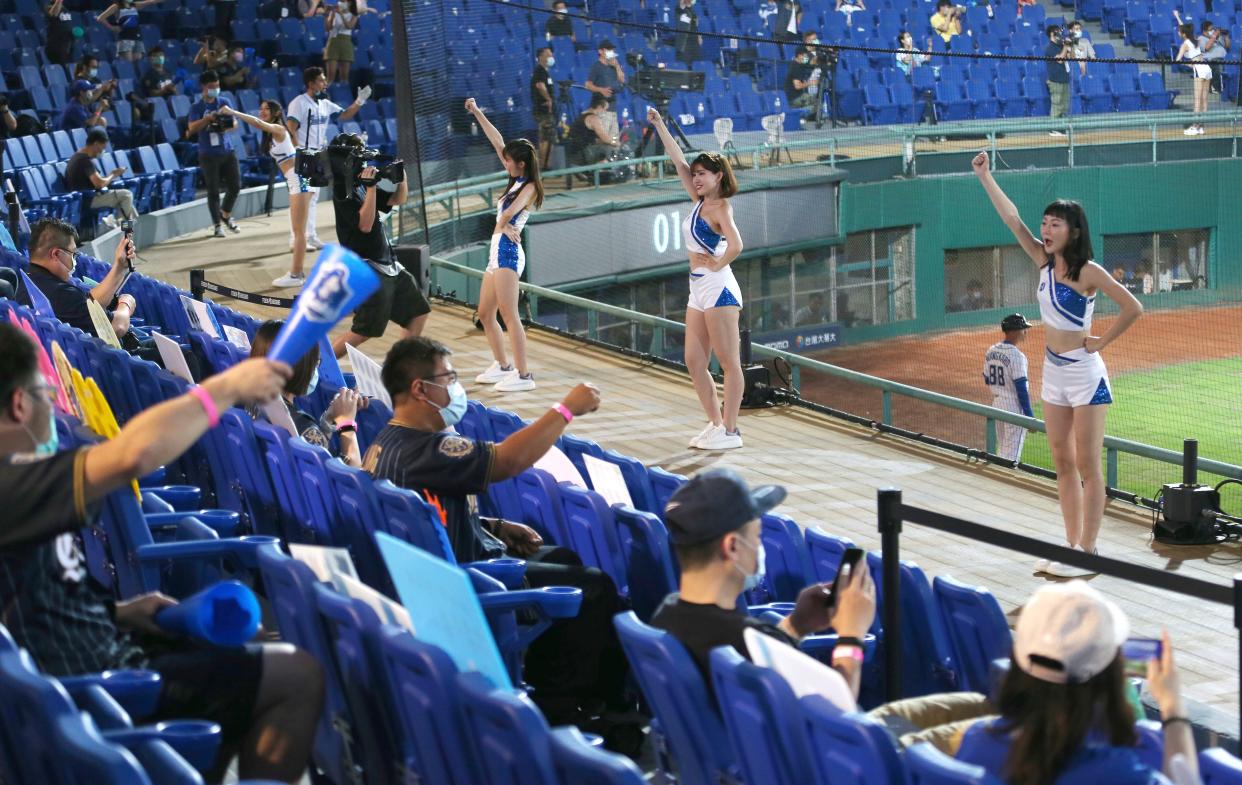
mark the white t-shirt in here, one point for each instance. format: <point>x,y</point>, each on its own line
<point>319,113</point>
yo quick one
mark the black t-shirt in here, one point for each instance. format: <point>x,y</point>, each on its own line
<point>1057,71</point>
<point>446,469</point>
<point>580,135</point>
<point>59,27</point>
<point>67,300</point>
<point>701,628</point>
<point>154,80</point>
<point>540,76</point>
<point>48,601</point>
<point>559,26</point>
<point>372,245</point>
<point>78,172</point>
<point>801,72</point>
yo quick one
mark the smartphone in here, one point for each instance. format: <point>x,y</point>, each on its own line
<point>851,557</point>
<point>1137,652</point>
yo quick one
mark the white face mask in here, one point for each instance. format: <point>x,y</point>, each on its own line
<point>610,54</point>
<point>551,62</point>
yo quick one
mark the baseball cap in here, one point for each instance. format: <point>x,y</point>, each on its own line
<point>1068,633</point>
<point>715,502</point>
<point>81,85</point>
<point>1014,321</point>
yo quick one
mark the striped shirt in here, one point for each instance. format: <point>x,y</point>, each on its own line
<point>49,603</point>
<point>445,469</point>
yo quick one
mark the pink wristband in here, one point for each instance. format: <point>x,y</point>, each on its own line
<point>347,424</point>
<point>563,410</point>
<point>847,653</point>
<point>209,406</point>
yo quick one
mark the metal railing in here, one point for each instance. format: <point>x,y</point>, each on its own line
<point>1113,446</point>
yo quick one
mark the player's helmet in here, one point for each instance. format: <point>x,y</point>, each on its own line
<point>1014,321</point>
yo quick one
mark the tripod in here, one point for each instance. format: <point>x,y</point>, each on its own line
<point>661,102</point>
<point>827,62</point>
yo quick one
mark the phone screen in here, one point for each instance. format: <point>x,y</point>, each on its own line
<point>1137,652</point>
<point>851,557</point>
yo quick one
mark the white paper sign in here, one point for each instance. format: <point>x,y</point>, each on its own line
<point>278,414</point>
<point>388,611</point>
<point>328,564</point>
<point>103,325</point>
<point>557,464</point>
<point>805,674</point>
<point>236,337</point>
<point>608,481</point>
<point>367,373</point>
<point>174,360</point>
<point>200,316</point>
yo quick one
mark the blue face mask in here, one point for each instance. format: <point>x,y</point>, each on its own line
<point>456,408</point>
<point>213,92</point>
<point>52,443</point>
<point>755,579</point>
<point>314,382</point>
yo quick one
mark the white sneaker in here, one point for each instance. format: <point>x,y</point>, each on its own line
<point>720,439</point>
<point>494,373</point>
<point>289,280</point>
<point>1060,570</point>
<point>701,435</point>
<point>1191,131</point>
<point>1042,566</point>
<point>1056,133</point>
<point>516,382</point>
<point>313,243</point>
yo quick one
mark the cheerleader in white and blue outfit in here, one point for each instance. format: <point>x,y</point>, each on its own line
<point>506,259</point>
<point>1076,390</point>
<point>715,302</point>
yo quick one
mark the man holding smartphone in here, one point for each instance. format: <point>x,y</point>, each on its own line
<point>81,175</point>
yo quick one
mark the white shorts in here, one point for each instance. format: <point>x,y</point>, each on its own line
<point>713,289</point>
<point>1201,71</point>
<point>1076,378</point>
<point>297,183</point>
<point>504,253</point>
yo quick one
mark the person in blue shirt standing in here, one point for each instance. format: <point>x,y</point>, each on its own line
<point>216,157</point>
<point>606,78</point>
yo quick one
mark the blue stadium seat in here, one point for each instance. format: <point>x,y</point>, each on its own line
<point>540,497</point>
<point>1095,95</point>
<point>650,572</point>
<point>847,748</point>
<point>927,765</point>
<point>825,551</point>
<point>576,761</point>
<point>879,108</point>
<point>510,737</point>
<point>951,100</point>
<point>664,484</point>
<point>984,104</point>
<point>592,531</point>
<point>928,665</point>
<point>688,722</point>
<point>977,629</point>
<point>1010,99</point>
<point>1218,767</point>
<point>1155,95</point>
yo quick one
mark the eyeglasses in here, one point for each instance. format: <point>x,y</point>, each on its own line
<point>452,377</point>
<point>46,391</point>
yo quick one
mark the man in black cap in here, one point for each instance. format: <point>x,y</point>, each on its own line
<point>713,522</point>
<point>1005,372</point>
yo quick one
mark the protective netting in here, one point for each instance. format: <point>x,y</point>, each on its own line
<point>911,273</point>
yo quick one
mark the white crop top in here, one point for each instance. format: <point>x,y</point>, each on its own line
<point>699,235</point>
<point>282,150</point>
<point>518,220</point>
<point>1060,306</point>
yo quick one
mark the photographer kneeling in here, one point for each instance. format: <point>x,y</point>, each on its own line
<point>589,141</point>
<point>359,190</point>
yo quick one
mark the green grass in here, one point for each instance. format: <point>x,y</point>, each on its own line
<point>1201,400</point>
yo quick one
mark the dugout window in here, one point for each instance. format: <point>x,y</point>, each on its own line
<point>1154,262</point>
<point>977,279</point>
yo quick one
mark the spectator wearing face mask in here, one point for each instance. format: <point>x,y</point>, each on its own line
<point>800,79</point>
<point>234,73</point>
<point>541,86</point>
<point>910,58</point>
<point>1080,46</point>
<point>80,112</point>
<point>689,44</point>
<point>606,77</point>
<point>216,157</point>
<point>559,25</point>
<point>157,82</point>
<point>87,69</point>
<point>1214,43</point>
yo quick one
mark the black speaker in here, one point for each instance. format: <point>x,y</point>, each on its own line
<point>757,391</point>
<point>417,260</point>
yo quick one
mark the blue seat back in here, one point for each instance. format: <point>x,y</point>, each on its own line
<point>825,551</point>
<point>593,532</point>
<point>649,569</point>
<point>540,497</point>
<point>273,443</point>
<point>761,717</point>
<point>510,735</point>
<point>977,628</point>
<point>847,748</point>
<point>258,497</point>
<point>358,521</point>
<point>575,447</point>
<point>577,762</point>
<point>927,765</point>
<point>410,519</point>
<point>928,665</point>
<point>1218,767</point>
<point>308,470</point>
<point>430,732</point>
<point>637,481</point>
<point>788,566</point>
<point>663,484</point>
<point>475,423</point>
<point>678,699</point>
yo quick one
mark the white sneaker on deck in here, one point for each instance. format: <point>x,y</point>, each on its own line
<point>289,280</point>
<point>516,382</point>
<point>1059,570</point>
<point>707,431</point>
<point>721,439</point>
<point>494,373</point>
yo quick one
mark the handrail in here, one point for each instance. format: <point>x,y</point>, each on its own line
<point>1113,444</point>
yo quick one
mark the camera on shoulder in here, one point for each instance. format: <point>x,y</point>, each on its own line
<point>348,157</point>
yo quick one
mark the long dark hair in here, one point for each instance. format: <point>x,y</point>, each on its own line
<point>718,164</point>
<point>522,151</point>
<point>303,369</point>
<point>277,114</point>
<point>1078,247</point>
<point>1049,722</point>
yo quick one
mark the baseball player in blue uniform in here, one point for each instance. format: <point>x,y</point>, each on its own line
<point>1004,372</point>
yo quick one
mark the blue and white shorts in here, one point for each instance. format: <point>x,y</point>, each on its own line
<point>713,289</point>
<point>1076,378</point>
<point>506,254</point>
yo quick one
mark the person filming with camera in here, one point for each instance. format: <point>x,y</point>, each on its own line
<point>947,21</point>
<point>216,157</point>
<point>1060,47</point>
<point>361,190</point>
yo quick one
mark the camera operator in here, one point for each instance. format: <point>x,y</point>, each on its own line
<point>1214,43</point>
<point>541,99</point>
<point>802,81</point>
<point>947,21</point>
<point>1059,48</point>
<point>81,175</point>
<point>216,158</point>
<point>359,191</point>
<point>1081,48</point>
<point>606,77</point>
<point>689,44</point>
<point>589,140</point>
<point>78,113</point>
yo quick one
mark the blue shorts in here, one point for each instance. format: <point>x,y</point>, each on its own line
<point>506,254</point>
